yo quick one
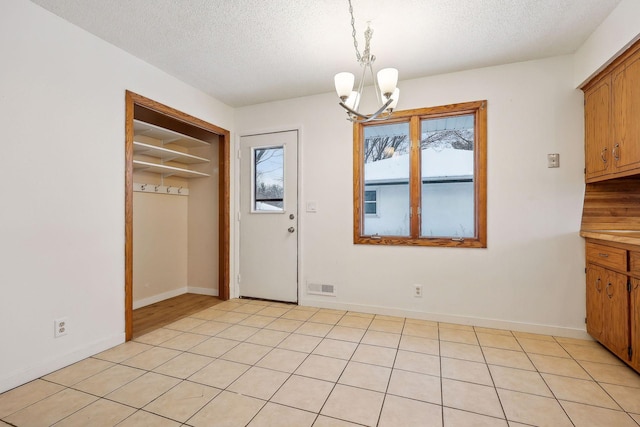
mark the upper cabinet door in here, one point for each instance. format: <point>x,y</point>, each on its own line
<point>626,114</point>
<point>597,114</point>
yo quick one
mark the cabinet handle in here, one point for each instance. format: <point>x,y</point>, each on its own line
<point>603,154</point>
<point>598,285</point>
<point>607,290</point>
<point>601,255</point>
<point>616,152</point>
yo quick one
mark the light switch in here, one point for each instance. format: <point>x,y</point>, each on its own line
<point>312,207</point>
<point>553,160</point>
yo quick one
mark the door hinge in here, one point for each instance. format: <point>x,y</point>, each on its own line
<point>584,171</point>
<point>239,154</point>
<point>630,352</point>
<point>238,277</point>
<point>585,320</point>
<point>629,285</point>
<point>239,216</point>
<point>585,270</point>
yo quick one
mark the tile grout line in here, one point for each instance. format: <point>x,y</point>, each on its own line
<point>386,392</point>
<point>335,383</point>
<point>594,381</point>
<point>495,388</point>
<point>440,364</point>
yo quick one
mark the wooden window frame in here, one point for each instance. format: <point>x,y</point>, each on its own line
<point>414,117</point>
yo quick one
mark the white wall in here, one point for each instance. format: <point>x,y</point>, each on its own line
<point>531,276</point>
<point>160,247</point>
<point>204,220</point>
<point>62,219</point>
<point>610,39</point>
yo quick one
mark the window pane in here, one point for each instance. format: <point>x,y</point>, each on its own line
<point>269,179</point>
<point>370,196</point>
<point>386,174</point>
<point>447,150</point>
<point>370,208</point>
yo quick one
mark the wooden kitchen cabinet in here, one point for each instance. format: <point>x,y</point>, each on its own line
<point>612,303</point>
<point>608,297</point>
<point>611,210</point>
<point>634,296</point>
<point>612,128</point>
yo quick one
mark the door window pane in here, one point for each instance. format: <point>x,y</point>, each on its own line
<point>269,179</point>
<point>386,175</point>
<point>447,157</point>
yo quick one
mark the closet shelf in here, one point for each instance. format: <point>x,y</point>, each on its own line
<point>166,154</point>
<point>166,171</point>
<point>166,136</point>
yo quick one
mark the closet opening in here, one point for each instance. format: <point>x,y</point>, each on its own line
<point>176,206</point>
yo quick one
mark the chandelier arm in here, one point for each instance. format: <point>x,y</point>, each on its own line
<point>375,115</point>
<point>376,86</point>
<point>352,113</point>
<point>365,65</point>
<point>365,118</point>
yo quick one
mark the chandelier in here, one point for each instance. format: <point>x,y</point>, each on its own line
<point>384,86</point>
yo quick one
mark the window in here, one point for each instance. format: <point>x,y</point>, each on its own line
<point>420,178</point>
<point>268,172</point>
<point>370,199</point>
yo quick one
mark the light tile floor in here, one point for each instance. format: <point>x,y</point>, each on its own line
<point>253,363</point>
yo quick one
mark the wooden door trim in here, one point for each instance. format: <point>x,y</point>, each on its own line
<point>131,101</point>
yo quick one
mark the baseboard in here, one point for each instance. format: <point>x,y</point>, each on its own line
<point>48,366</point>
<point>159,297</point>
<point>202,291</point>
<point>534,328</point>
<point>174,293</point>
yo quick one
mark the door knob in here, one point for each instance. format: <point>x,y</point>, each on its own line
<point>291,229</point>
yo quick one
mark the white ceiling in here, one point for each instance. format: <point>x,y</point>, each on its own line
<point>245,52</point>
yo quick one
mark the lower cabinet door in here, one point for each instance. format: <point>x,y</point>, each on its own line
<point>616,314</point>
<point>635,323</point>
<point>596,277</point>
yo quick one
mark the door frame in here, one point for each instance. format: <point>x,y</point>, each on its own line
<point>238,223</point>
<point>140,107</point>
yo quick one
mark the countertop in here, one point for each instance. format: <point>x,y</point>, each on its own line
<point>630,237</point>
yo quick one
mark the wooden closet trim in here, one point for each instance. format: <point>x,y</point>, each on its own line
<point>191,126</point>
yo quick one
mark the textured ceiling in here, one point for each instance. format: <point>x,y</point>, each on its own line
<point>245,52</point>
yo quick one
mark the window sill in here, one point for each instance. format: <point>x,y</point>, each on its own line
<point>424,241</point>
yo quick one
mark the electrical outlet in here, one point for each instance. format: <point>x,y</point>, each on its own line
<point>417,291</point>
<point>61,327</point>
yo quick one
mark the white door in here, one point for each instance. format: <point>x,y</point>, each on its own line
<point>269,216</point>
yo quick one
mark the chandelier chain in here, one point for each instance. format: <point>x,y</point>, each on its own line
<point>353,33</point>
<point>349,98</point>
